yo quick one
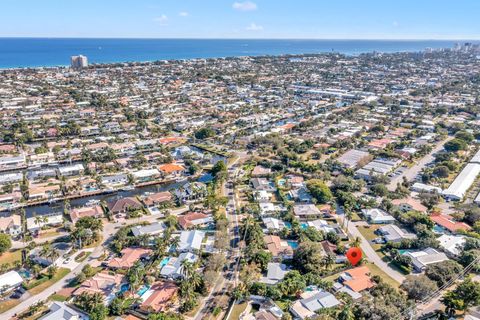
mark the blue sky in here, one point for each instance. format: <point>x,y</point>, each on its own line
<point>322,19</point>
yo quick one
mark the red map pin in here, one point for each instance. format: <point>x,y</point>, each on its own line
<point>354,255</point>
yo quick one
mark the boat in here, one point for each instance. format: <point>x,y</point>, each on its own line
<point>92,202</point>
<point>128,188</point>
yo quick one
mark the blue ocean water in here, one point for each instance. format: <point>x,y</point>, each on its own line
<point>38,52</point>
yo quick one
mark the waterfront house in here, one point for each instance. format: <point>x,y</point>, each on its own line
<point>157,198</point>
<point>93,211</point>
<point>124,205</point>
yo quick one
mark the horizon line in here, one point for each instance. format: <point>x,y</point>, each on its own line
<point>207,38</point>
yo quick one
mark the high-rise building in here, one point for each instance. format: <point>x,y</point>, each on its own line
<point>78,62</point>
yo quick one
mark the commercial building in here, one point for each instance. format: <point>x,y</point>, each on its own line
<point>78,62</point>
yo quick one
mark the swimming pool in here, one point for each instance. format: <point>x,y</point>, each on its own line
<point>124,288</point>
<point>304,225</point>
<point>164,262</point>
<point>142,290</point>
<point>24,274</point>
<point>293,244</point>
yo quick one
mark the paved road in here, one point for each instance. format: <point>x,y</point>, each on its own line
<point>223,280</point>
<point>372,255</point>
<point>411,172</point>
<point>108,231</point>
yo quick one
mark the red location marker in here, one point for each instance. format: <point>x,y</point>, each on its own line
<point>354,255</point>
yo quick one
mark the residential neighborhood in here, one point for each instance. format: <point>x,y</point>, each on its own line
<point>233,188</point>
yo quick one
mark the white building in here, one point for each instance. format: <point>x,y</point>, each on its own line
<point>78,62</point>
<point>464,180</point>
<point>9,281</point>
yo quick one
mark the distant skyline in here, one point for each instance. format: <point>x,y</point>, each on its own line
<point>255,19</point>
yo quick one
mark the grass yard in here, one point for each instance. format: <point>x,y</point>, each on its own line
<point>8,304</point>
<point>375,270</point>
<point>369,234</point>
<point>43,284</point>
<point>82,256</point>
<point>48,234</point>
<point>237,310</point>
<point>11,256</point>
<point>57,297</point>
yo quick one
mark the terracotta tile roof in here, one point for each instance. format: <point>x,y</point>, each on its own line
<point>129,257</point>
<point>102,282</point>
<point>277,246</point>
<point>160,299</point>
<point>185,221</point>
<point>360,279</point>
<point>77,213</point>
<point>415,204</point>
<point>449,223</point>
<point>170,167</point>
<point>158,198</point>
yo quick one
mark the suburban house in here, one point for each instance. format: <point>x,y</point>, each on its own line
<point>377,216</point>
<point>273,224</point>
<point>149,230</point>
<point>452,244</point>
<point>123,205</point>
<point>422,258</point>
<point>190,240</point>
<point>171,170</point>
<point>275,273</point>
<point>160,297</point>
<point>157,198</point>
<point>11,225</point>
<point>278,247</point>
<point>447,223</point>
<point>409,204</point>
<point>194,220</point>
<point>94,211</point>
<point>311,302</point>
<point>357,279</point>
<point>105,284</point>
<point>262,184</point>
<point>73,170</point>
<point>173,269</point>
<point>392,233</point>
<point>260,171</point>
<point>35,224</point>
<point>129,257</point>
<point>61,248</point>
<point>10,281</point>
<point>307,212</point>
<point>61,311</point>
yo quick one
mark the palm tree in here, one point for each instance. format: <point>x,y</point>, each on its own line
<point>356,242</point>
<point>328,261</point>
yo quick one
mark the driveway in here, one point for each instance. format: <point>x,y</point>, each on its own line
<point>411,172</point>
<point>372,255</point>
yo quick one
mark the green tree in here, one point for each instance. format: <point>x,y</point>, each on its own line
<point>5,243</point>
<point>319,190</point>
<point>418,287</point>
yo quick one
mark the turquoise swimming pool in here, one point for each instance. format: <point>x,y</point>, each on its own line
<point>293,244</point>
<point>164,262</point>
<point>142,290</point>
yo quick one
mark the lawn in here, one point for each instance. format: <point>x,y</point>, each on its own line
<point>369,234</point>
<point>43,283</point>
<point>375,270</point>
<point>8,304</point>
<point>82,256</point>
<point>59,298</point>
<point>11,256</point>
<point>237,310</point>
<point>48,234</point>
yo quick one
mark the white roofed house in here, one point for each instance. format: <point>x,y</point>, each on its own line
<point>61,311</point>
<point>173,268</point>
<point>73,170</point>
<point>273,224</point>
<point>10,281</point>
<point>378,216</point>
<point>150,230</point>
<point>146,175</point>
<point>34,224</point>
<point>392,233</point>
<point>190,241</point>
<point>422,258</point>
<point>452,244</point>
<point>307,212</point>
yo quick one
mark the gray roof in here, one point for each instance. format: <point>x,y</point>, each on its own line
<point>60,311</point>
<point>320,300</point>
<point>174,266</point>
<point>151,229</point>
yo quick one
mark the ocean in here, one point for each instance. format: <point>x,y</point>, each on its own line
<point>47,52</point>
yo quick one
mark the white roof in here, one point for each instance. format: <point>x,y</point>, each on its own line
<point>463,181</point>
<point>145,173</point>
<point>10,279</point>
<point>191,240</point>
<point>452,244</point>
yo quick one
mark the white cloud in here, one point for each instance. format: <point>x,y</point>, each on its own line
<point>254,27</point>
<point>162,20</point>
<point>245,6</point>
<point>183,14</point>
